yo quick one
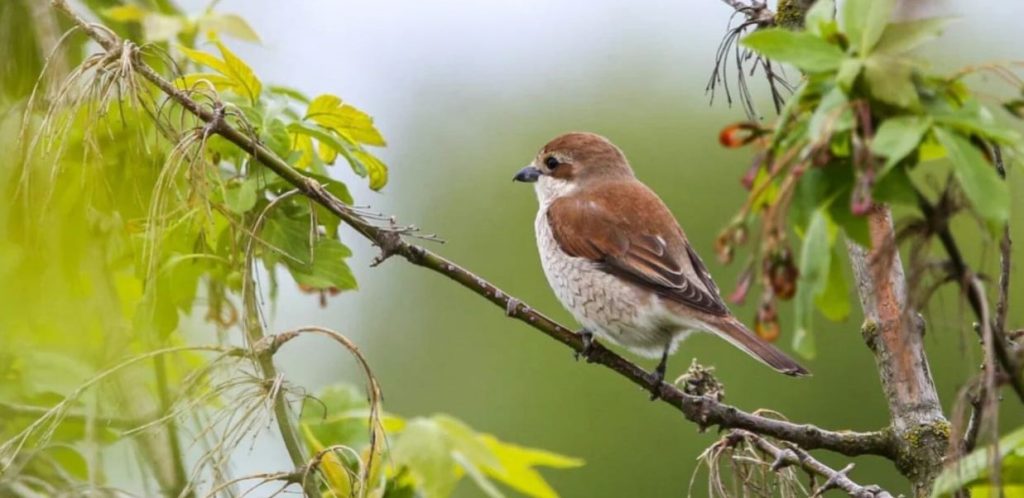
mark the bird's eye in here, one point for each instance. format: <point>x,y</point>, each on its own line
<point>551,162</point>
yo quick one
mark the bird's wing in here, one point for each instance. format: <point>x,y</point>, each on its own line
<point>629,233</point>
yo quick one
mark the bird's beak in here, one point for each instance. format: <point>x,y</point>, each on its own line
<point>528,174</point>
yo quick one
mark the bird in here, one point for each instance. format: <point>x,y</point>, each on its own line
<point>619,262</point>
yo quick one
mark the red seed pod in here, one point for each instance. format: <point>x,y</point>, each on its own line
<point>739,134</point>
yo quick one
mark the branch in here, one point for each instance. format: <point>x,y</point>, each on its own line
<point>833,478</point>
<point>704,411</point>
<point>894,334</point>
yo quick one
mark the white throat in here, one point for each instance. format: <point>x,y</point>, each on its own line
<point>549,188</point>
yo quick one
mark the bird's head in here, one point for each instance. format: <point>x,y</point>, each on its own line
<point>574,160</point>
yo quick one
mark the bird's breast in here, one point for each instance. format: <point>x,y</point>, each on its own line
<point>601,302</point>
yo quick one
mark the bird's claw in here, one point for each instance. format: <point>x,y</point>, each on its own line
<point>588,345</point>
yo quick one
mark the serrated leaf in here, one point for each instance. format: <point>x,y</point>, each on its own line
<point>902,37</point>
<point>329,111</point>
<point>375,168</point>
<point>799,48</point>
<point>518,467</point>
<point>237,73</point>
<point>204,59</point>
<point>240,72</point>
<point>464,440</point>
<point>228,24</point>
<point>864,21</point>
<point>890,80</point>
<point>989,195</point>
<point>897,137</point>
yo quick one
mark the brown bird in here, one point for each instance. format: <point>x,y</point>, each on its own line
<point>618,260</point>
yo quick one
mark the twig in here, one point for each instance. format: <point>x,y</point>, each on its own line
<point>961,273</point>
<point>795,456</point>
<point>989,398</point>
<point>705,412</point>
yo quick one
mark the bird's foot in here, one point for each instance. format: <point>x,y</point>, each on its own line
<point>658,376</point>
<point>588,345</point>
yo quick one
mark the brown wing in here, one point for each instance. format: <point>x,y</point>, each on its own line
<point>628,231</point>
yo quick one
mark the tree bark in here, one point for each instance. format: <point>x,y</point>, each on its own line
<point>894,334</point>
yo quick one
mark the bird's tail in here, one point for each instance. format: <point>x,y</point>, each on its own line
<point>732,330</point>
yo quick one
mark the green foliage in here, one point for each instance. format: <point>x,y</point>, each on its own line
<point>866,121</point>
<point>430,455</point>
<point>128,219</point>
<point>974,471</point>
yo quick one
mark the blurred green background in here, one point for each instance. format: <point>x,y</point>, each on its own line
<point>466,92</point>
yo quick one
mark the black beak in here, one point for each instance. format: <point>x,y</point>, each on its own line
<point>528,174</point>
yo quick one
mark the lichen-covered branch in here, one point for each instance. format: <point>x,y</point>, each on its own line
<point>704,411</point>
<point>894,334</point>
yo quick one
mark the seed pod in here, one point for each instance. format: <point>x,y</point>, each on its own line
<point>782,274</point>
<point>766,325</point>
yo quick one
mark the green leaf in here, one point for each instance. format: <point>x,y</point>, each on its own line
<point>864,21</point>
<point>899,136</point>
<point>895,187</point>
<point>989,195</point>
<point>375,168</point>
<point>241,198</point>
<point>820,18</point>
<point>329,111</point>
<point>464,440</point>
<point>239,76</point>
<point>799,48</point>
<point>975,468</point>
<point>240,72</point>
<point>902,37</point>
<point>848,72</point>
<point>815,256</point>
<point>289,92</point>
<point>228,24</point>
<point>832,115</point>
<point>972,118</point>
<point>423,448</point>
<point>161,28</point>
<point>891,80</point>
<point>124,13</point>
<point>834,299</point>
<point>518,464</point>
<point>327,268</point>
<point>339,482</point>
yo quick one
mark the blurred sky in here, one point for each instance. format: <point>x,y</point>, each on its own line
<point>465,93</point>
